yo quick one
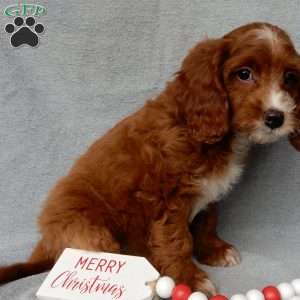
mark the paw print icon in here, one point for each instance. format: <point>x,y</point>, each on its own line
<point>24,32</point>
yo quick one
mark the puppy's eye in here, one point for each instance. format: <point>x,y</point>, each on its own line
<point>290,78</point>
<point>244,74</point>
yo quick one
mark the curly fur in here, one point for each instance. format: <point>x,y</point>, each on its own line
<point>136,188</point>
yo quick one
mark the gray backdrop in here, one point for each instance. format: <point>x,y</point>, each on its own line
<point>98,61</point>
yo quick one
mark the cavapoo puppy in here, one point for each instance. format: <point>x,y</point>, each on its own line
<point>138,188</point>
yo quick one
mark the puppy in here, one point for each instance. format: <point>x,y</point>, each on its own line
<point>139,186</point>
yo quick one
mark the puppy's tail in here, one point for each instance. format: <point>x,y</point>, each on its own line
<point>38,262</point>
<point>21,270</point>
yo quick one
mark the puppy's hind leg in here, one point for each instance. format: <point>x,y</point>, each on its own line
<point>79,234</point>
<point>95,238</point>
<point>74,217</point>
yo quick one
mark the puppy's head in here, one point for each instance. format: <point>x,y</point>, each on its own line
<point>261,76</point>
<point>247,82</point>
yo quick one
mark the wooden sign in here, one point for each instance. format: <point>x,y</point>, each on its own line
<point>85,275</point>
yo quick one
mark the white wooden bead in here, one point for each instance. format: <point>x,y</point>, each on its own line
<point>296,285</point>
<point>164,287</point>
<point>198,296</point>
<point>286,290</point>
<point>295,298</point>
<point>255,295</point>
<point>238,297</point>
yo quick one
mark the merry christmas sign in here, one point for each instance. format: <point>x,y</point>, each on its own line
<point>84,275</point>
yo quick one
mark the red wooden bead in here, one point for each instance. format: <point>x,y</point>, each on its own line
<point>218,297</point>
<point>181,292</point>
<point>271,293</point>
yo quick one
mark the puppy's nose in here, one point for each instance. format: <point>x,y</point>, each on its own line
<point>274,118</point>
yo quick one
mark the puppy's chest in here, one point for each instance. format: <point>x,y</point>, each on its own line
<point>216,184</point>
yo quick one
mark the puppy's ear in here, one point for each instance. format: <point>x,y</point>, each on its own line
<point>206,105</point>
<point>294,137</point>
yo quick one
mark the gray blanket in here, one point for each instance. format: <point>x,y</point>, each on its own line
<point>98,61</point>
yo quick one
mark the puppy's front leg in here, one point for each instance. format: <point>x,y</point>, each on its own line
<point>170,244</point>
<point>209,249</point>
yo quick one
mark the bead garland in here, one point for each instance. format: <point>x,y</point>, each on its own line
<point>165,288</point>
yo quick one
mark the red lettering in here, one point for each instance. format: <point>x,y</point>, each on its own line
<point>91,263</point>
<point>53,284</point>
<point>101,264</point>
<point>110,265</point>
<point>70,281</point>
<point>121,265</point>
<point>81,262</point>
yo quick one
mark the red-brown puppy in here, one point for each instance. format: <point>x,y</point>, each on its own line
<point>138,187</point>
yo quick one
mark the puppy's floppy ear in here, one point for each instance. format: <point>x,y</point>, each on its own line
<point>294,137</point>
<point>206,106</point>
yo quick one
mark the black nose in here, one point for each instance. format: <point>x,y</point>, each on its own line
<point>274,118</point>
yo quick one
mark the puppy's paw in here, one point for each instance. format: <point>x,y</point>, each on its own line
<point>205,286</point>
<point>224,256</point>
<point>230,258</point>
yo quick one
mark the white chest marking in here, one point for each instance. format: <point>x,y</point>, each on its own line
<point>216,186</point>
